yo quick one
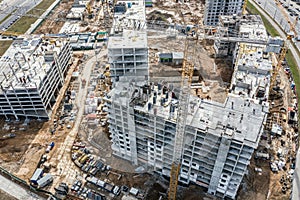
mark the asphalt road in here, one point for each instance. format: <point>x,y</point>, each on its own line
<point>296,181</point>
<point>276,26</point>
<point>17,7</point>
<point>15,190</point>
<point>276,13</point>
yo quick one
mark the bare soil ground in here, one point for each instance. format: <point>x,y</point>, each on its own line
<point>191,11</point>
<point>213,73</point>
<point>255,185</point>
<point>12,150</point>
<point>56,19</point>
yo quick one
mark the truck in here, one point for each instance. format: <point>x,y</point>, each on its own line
<point>78,163</point>
<point>47,179</point>
<point>116,190</point>
<point>92,179</point>
<point>83,159</point>
<point>108,187</point>
<point>50,147</point>
<point>101,183</point>
<point>36,176</point>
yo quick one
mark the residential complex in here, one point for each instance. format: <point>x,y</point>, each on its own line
<point>231,27</point>
<point>216,8</point>
<point>219,138</point>
<point>143,99</point>
<point>32,72</point>
<point>127,46</point>
<point>234,29</point>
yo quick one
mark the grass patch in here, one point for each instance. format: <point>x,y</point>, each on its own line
<point>296,76</point>
<point>4,44</point>
<point>270,29</point>
<point>289,57</point>
<point>24,23</point>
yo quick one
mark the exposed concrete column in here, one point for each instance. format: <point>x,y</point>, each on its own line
<point>8,101</point>
<point>219,165</point>
<point>59,68</point>
<point>132,134</point>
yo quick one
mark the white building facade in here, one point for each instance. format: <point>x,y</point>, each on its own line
<point>127,44</point>
<point>215,8</point>
<point>32,72</point>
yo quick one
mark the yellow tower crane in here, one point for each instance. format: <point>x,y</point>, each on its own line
<point>291,24</point>
<point>186,80</point>
<point>244,7</point>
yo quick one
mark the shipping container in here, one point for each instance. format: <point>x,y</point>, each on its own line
<point>47,179</point>
<point>36,176</point>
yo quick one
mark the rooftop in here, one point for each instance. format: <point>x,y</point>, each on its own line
<point>128,39</point>
<point>239,118</point>
<point>129,15</point>
<point>25,63</point>
<point>242,19</point>
<point>253,31</point>
<point>251,77</point>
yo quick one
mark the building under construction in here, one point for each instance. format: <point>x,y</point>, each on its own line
<point>127,45</point>
<point>33,70</point>
<point>216,8</point>
<point>219,138</point>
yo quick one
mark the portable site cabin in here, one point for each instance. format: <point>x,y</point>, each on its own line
<point>134,191</point>
<point>165,57</point>
<point>45,181</point>
<point>36,176</point>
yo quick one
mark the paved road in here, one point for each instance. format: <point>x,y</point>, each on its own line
<point>16,191</point>
<point>18,8</point>
<point>66,169</point>
<point>273,10</point>
<point>296,181</point>
<point>281,33</point>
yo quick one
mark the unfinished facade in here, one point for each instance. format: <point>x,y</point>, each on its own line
<point>219,138</point>
<point>32,72</point>
<point>127,46</point>
<point>215,8</point>
<point>239,26</point>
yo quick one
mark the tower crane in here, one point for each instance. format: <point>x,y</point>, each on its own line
<point>281,57</point>
<point>244,7</point>
<point>186,80</point>
<point>291,24</point>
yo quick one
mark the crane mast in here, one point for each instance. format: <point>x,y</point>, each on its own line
<point>186,79</point>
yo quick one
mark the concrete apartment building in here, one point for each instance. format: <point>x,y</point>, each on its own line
<point>238,28</point>
<point>32,72</point>
<point>219,138</point>
<point>216,8</point>
<point>127,45</point>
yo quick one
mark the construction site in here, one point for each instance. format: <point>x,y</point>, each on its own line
<point>148,100</point>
